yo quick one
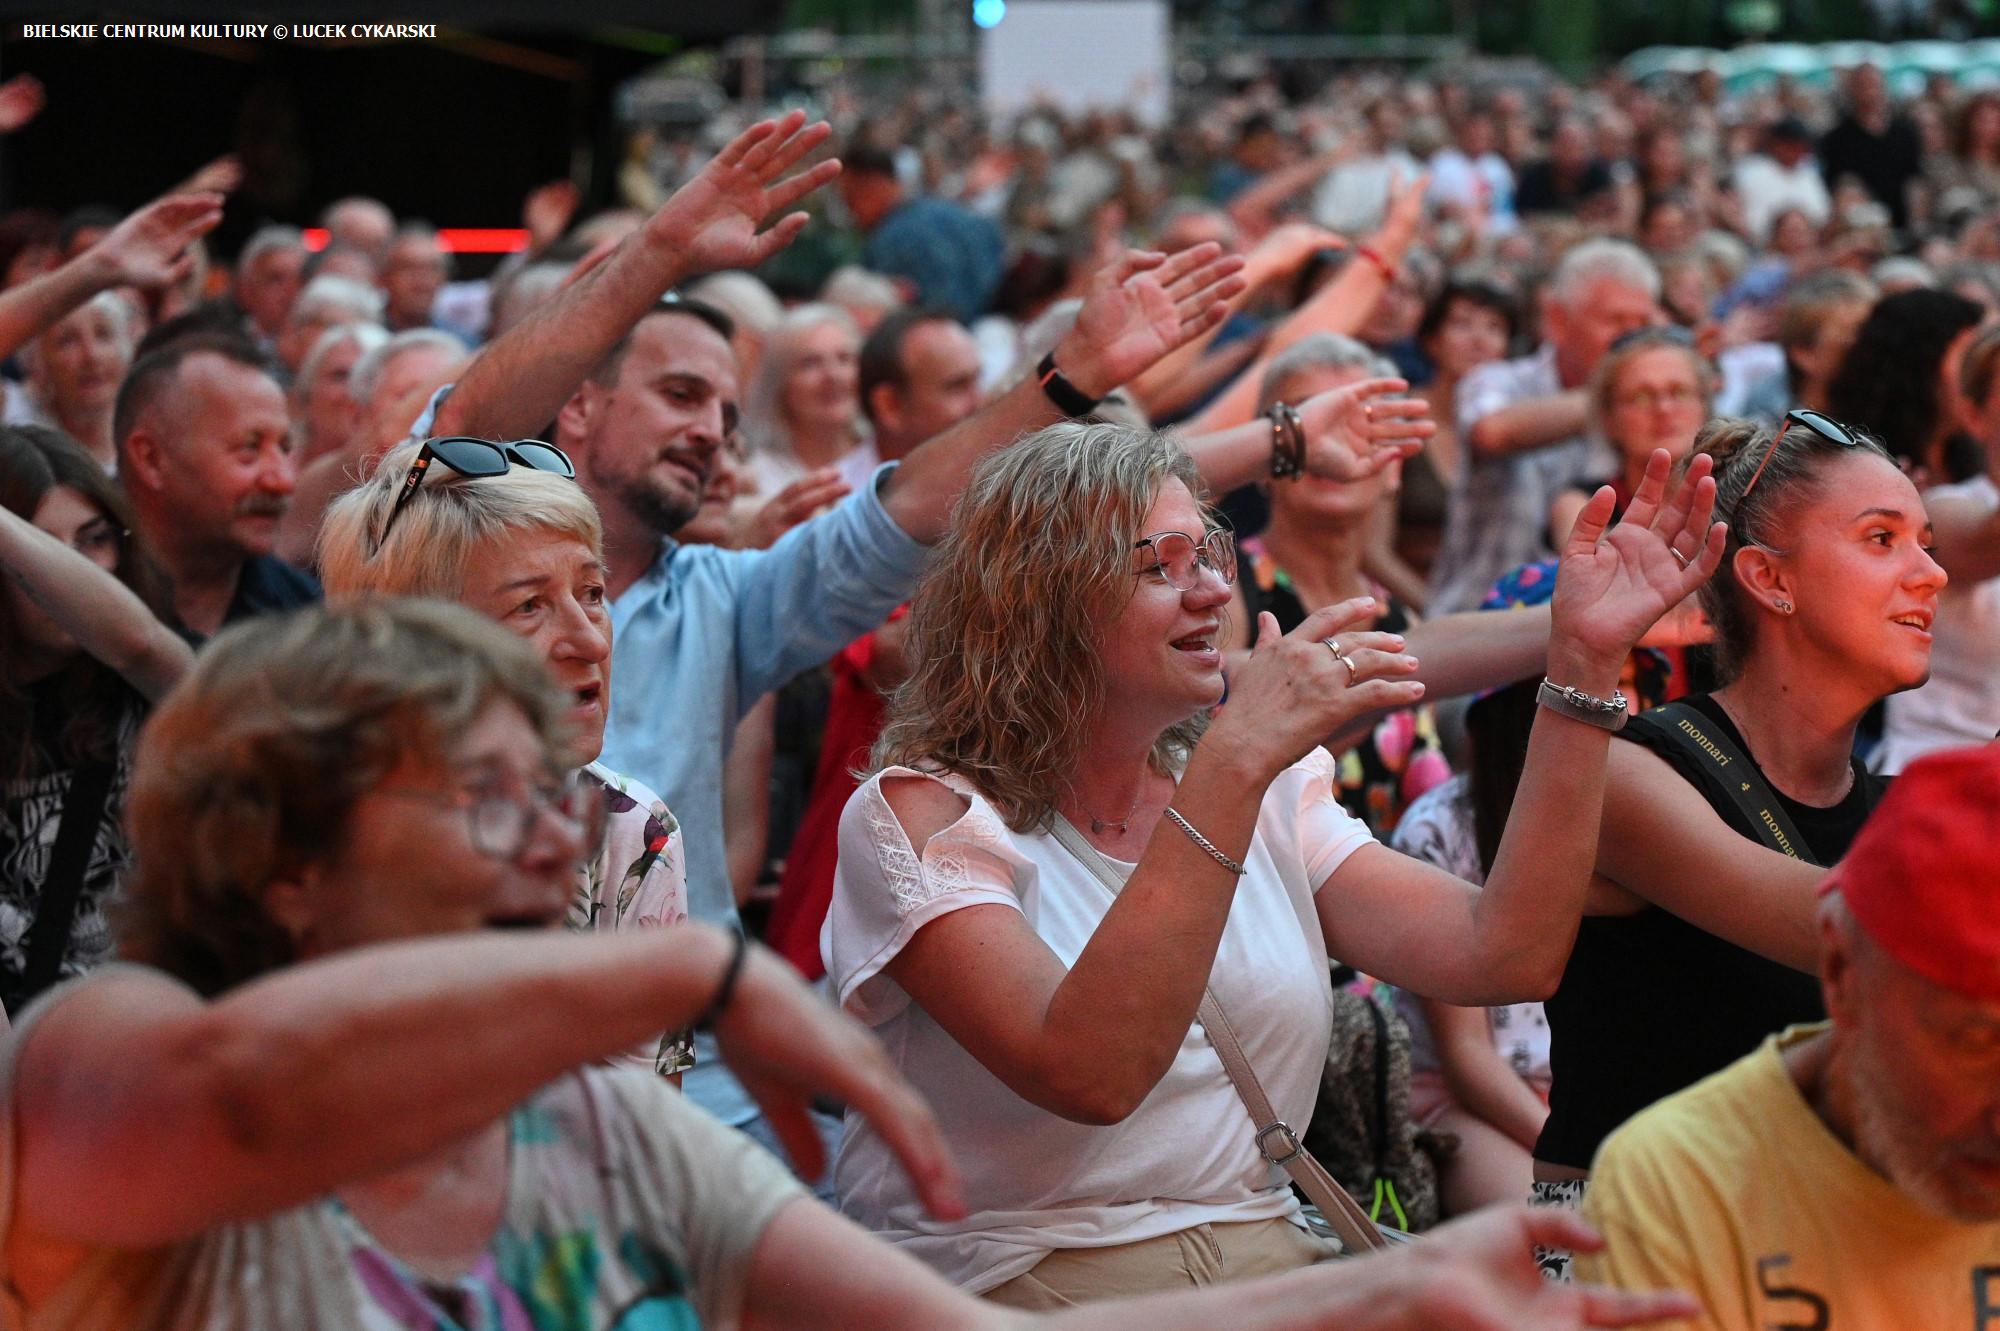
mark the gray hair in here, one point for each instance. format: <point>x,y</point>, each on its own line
<point>1602,260</point>
<point>113,303</point>
<point>1900,270</point>
<point>524,292</point>
<point>1323,351</point>
<point>267,240</point>
<point>368,371</point>
<point>332,293</point>
<point>763,408</point>
<point>744,298</point>
<point>850,285</point>
<point>368,336</point>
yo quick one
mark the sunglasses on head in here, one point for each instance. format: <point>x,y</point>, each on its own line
<point>1826,427</point>
<point>1658,335</point>
<point>476,457</point>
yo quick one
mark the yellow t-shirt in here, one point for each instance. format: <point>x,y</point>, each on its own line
<point>1735,1191</point>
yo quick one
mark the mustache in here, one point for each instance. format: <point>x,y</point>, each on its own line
<point>261,505</point>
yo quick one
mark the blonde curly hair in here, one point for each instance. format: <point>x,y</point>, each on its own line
<point>1006,627</point>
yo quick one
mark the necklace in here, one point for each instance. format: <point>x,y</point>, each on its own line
<point>1103,825</point>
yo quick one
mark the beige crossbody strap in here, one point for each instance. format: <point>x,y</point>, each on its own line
<point>1276,1141</point>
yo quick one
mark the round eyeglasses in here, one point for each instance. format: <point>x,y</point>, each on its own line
<point>1178,558</point>
<point>501,824</point>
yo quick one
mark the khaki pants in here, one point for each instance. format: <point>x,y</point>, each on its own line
<point>1203,1255</point>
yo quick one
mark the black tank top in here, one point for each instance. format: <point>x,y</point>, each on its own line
<point>1649,1004</point>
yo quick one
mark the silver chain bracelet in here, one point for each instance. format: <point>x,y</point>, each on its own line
<point>1214,852</point>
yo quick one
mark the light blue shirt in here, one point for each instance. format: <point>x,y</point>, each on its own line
<point>705,634</point>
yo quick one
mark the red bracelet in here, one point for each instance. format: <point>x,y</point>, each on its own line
<point>1382,265</point>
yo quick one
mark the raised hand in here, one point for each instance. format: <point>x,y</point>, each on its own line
<point>1358,429</point>
<point>21,100</point>
<point>1143,306</point>
<point>716,220</point>
<point>153,247</point>
<point>1479,1273</point>
<point>220,176</point>
<point>1295,689</point>
<point>793,505</point>
<point>1611,586</point>
<point>546,212</point>
<point>787,1045</point>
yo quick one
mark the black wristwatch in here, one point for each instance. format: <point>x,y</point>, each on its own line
<point>1069,399</point>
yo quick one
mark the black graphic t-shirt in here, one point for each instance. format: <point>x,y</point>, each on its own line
<point>31,813</point>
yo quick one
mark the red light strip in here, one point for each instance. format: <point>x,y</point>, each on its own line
<point>455,239</point>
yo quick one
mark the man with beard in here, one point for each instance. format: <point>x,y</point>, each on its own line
<point>1846,1174</point>
<point>205,453</point>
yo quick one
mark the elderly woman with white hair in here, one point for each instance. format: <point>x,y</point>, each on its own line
<point>328,301</point>
<point>802,413</point>
<point>323,406</point>
<point>74,370</point>
<point>506,530</point>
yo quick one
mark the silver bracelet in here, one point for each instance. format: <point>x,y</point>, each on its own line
<point>1214,852</point>
<point>1567,700</point>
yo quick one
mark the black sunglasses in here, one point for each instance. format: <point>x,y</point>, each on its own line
<point>1826,427</point>
<point>1655,335</point>
<point>476,457</point>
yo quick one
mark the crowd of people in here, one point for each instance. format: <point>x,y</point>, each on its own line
<point>1034,681</point>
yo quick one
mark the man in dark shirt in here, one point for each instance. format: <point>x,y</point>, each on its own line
<point>205,453</point>
<point>1568,177</point>
<point>951,258</point>
<point>1871,143</point>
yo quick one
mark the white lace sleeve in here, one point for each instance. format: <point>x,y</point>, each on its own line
<point>1326,834</point>
<point>884,892</point>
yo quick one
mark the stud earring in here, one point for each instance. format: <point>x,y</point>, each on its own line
<point>1783,607</point>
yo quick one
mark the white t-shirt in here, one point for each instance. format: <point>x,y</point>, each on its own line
<point>1961,703</point>
<point>1035,1181</point>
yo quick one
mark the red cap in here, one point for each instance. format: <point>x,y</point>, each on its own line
<point>1923,877</point>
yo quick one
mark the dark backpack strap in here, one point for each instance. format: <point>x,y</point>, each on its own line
<point>1725,771</point>
<point>69,862</point>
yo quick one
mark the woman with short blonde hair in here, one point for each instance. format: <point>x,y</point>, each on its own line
<point>523,545</point>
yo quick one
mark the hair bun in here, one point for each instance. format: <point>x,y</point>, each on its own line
<point>1725,438</point>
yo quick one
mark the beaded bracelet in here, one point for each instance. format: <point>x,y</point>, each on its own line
<point>1214,852</point>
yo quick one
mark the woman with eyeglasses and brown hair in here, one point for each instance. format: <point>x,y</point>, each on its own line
<point>1059,851</point>
<point>83,655</point>
<point>1652,390</point>
<point>1698,939</point>
<point>505,529</point>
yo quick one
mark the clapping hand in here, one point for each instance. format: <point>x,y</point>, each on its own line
<point>1611,586</point>
<point>1143,306</point>
<point>1297,687</point>
<point>716,220</point>
<point>1357,430</point>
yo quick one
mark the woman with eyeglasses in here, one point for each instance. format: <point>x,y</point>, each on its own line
<point>1053,740</point>
<point>506,530</point>
<point>1652,390</point>
<point>83,655</point>
<point>1699,939</point>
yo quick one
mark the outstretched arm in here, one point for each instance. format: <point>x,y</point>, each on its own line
<point>150,249</point>
<point>1415,925</point>
<point>813,1267</point>
<point>101,613</point>
<point>715,221</point>
<point>1138,309</point>
<point>341,1069</point>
